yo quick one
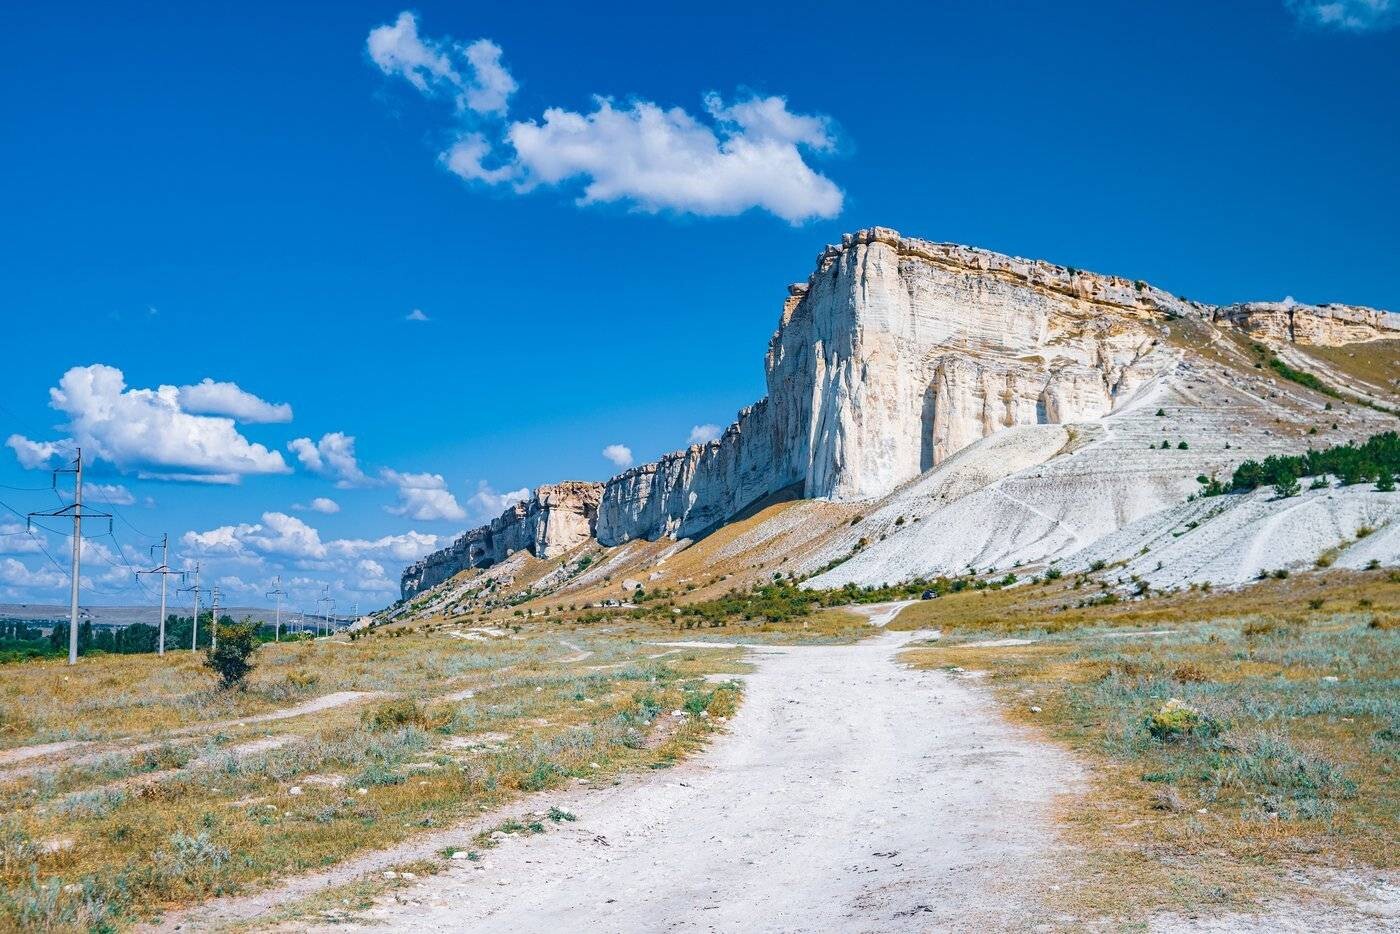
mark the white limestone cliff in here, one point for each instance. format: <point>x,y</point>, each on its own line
<point>894,355</point>
<point>555,518</point>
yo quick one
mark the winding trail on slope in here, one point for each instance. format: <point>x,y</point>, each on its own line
<point>851,793</point>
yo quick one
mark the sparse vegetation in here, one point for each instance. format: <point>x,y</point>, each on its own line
<point>1260,731</point>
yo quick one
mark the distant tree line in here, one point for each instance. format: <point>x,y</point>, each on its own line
<point>20,639</point>
<point>1377,460</point>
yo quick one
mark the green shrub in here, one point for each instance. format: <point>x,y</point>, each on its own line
<point>232,660</point>
<point>1176,720</point>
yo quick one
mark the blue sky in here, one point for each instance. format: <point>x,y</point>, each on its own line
<point>261,196</point>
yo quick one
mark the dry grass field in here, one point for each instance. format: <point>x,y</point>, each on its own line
<point>1239,742</point>
<point>161,790</point>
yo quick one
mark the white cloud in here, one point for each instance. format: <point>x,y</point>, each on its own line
<point>277,534</point>
<point>1346,15</point>
<point>333,455</point>
<point>16,573</point>
<point>409,546</point>
<point>416,315</point>
<point>702,434</point>
<point>619,454</point>
<point>370,577</point>
<point>321,504</point>
<point>488,504</point>
<point>211,398</point>
<point>16,540</point>
<point>146,431</point>
<point>732,158</point>
<point>422,496</point>
<point>110,494</point>
<point>659,160</point>
<point>34,454</point>
<point>472,74</point>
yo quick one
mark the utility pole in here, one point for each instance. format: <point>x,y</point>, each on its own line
<point>194,591</point>
<point>74,511</point>
<point>279,593</point>
<point>329,602</point>
<point>214,596</point>
<point>164,571</point>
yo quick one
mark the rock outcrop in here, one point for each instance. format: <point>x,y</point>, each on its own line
<point>1324,325</point>
<point>894,355</point>
<point>553,520</point>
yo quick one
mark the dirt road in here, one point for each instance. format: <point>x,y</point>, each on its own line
<point>851,794</point>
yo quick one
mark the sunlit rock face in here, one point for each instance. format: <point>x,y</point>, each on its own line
<point>553,520</point>
<point>1324,325</point>
<point>894,355</point>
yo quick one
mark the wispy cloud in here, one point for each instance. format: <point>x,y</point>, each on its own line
<point>731,158</point>
<point>1347,15</point>
<point>416,315</point>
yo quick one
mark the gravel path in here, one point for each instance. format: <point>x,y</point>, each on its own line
<point>852,793</point>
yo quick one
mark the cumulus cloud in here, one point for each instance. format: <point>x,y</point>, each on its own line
<point>422,496</point>
<point>619,454</point>
<point>277,534</point>
<point>15,573</point>
<point>333,455</point>
<point>730,159</point>
<point>1346,15</point>
<point>146,431</point>
<point>488,504</point>
<point>15,539</point>
<point>408,546</point>
<point>472,75</point>
<point>321,504</point>
<point>210,398</point>
<point>416,315</point>
<point>35,454</point>
<point>702,434</point>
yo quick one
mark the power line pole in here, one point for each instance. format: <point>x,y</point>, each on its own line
<point>329,601</point>
<point>214,596</point>
<point>279,593</point>
<point>194,591</point>
<point>164,572</point>
<point>75,511</point>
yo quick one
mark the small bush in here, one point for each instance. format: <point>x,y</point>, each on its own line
<point>232,659</point>
<point>1176,720</point>
<point>378,774</point>
<point>1190,673</point>
<point>392,714</point>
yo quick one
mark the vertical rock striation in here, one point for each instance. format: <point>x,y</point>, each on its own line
<point>895,354</point>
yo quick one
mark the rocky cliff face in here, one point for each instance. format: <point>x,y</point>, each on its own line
<point>1324,325</point>
<point>895,354</point>
<point>556,518</point>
